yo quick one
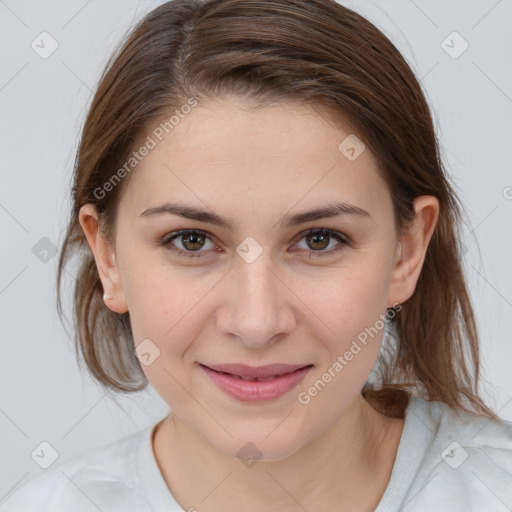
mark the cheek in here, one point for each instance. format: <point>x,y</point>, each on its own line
<point>170,307</point>
<point>347,304</point>
<point>166,310</point>
<point>352,311</point>
<point>152,291</point>
<point>163,308</point>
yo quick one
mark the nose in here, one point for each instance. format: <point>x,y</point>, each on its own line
<point>258,307</point>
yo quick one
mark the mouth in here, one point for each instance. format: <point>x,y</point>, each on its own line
<point>254,384</point>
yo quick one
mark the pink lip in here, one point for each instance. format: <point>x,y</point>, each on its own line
<point>227,378</point>
<point>260,372</point>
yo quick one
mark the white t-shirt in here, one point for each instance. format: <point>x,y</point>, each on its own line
<point>444,463</point>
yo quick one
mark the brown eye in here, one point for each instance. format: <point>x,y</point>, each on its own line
<point>191,241</point>
<point>318,240</point>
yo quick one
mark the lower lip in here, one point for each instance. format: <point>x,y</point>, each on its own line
<point>253,390</point>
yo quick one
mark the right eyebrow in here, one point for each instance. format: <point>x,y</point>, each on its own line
<point>193,213</point>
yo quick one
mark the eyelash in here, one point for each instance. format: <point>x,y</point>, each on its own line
<point>166,241</point>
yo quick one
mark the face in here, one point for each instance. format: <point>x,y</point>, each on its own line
<point>263,290</point>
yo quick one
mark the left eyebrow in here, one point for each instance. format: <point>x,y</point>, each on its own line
<point>193,213</point>
<point>331,210</point>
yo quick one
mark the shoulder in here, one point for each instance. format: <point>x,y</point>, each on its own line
<point>106,476</point>
<point>467,430</point>
<point>467,460</point>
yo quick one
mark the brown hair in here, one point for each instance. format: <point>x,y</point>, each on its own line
<point>319,52</point>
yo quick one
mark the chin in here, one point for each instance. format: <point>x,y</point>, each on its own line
<point>260,446</point>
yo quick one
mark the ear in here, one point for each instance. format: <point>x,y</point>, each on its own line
<point>411,250</point>
<point>105,259</point>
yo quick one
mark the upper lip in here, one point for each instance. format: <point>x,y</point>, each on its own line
<point>258,372</point>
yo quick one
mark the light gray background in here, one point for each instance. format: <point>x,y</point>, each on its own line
<point>44,396</point>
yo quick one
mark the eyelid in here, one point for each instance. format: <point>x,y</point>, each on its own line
<point>308,231</point>
<point>167,239</point>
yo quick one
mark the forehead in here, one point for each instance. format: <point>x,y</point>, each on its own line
<point>229,157</point>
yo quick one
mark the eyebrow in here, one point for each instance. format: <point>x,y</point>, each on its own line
<point>193,213</point>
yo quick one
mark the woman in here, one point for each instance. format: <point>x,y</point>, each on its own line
<point>268,237</point>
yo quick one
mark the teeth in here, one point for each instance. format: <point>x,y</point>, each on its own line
<point>258,379</point>
<point>253,378</point>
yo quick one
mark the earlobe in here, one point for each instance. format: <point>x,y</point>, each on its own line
<point>412,249</point>
<point>104,257</point>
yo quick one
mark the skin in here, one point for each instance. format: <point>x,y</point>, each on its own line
<point>287,306</point>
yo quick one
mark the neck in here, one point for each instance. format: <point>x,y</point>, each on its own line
<point>331,473</point>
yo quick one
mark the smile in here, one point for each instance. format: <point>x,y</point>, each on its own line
<point>256,384</point>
